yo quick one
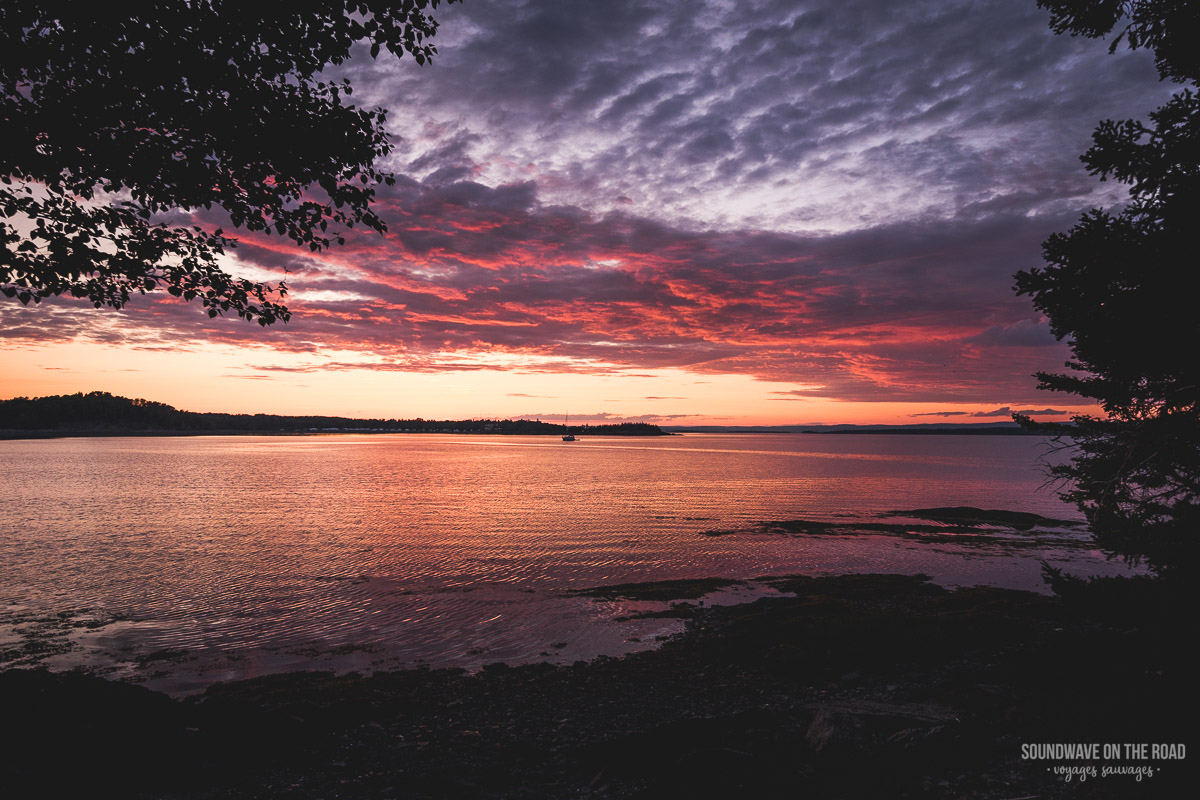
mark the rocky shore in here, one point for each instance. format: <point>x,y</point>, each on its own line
<point>859,686</point>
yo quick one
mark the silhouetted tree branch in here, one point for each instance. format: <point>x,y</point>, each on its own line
<point>113,125</point>
<point>1113,288</point>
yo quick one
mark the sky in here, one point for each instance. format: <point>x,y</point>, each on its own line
<point>680,211</point>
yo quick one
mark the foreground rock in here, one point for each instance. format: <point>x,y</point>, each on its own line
<point>861,686</point>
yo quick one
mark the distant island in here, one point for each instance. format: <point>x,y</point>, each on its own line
<point>918,429</point>
<point>104,414</point>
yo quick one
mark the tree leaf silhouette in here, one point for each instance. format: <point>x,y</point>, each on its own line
<point>118,127</point>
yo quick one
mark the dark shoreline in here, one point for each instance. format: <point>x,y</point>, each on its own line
<point>103,414</point>
<point>11,435</point>
<point>860,686</point>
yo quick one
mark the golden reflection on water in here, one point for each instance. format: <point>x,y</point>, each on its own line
<point>456,549</point>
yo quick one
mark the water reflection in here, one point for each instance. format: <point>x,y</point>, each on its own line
<point>250,554</point>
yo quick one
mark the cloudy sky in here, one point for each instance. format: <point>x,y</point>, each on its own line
<point>681,210</point>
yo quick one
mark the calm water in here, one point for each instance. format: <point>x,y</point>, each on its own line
<point>182,561</point>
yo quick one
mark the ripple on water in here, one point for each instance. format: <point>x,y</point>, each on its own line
<point>372,551</point>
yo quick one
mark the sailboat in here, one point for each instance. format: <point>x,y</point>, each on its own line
<point>568,436</point>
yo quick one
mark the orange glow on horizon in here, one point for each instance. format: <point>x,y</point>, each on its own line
<point>213,377</point>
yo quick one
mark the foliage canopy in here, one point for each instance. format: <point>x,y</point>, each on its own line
<point>114,124</point>
<point>1113,286</point>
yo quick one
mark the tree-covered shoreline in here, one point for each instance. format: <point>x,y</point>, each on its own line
<point>104,414</point>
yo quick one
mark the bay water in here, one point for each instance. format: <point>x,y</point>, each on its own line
<point>181,561</point>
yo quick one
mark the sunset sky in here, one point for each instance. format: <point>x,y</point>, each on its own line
<point>679,211</point>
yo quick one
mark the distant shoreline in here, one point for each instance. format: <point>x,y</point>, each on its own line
<point>10,435</point>
<point>87,433</point>
<point>938,432</point>
<point>956,431</point>
<point>103,414</point>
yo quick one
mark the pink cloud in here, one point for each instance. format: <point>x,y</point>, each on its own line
<point>920,311</point>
